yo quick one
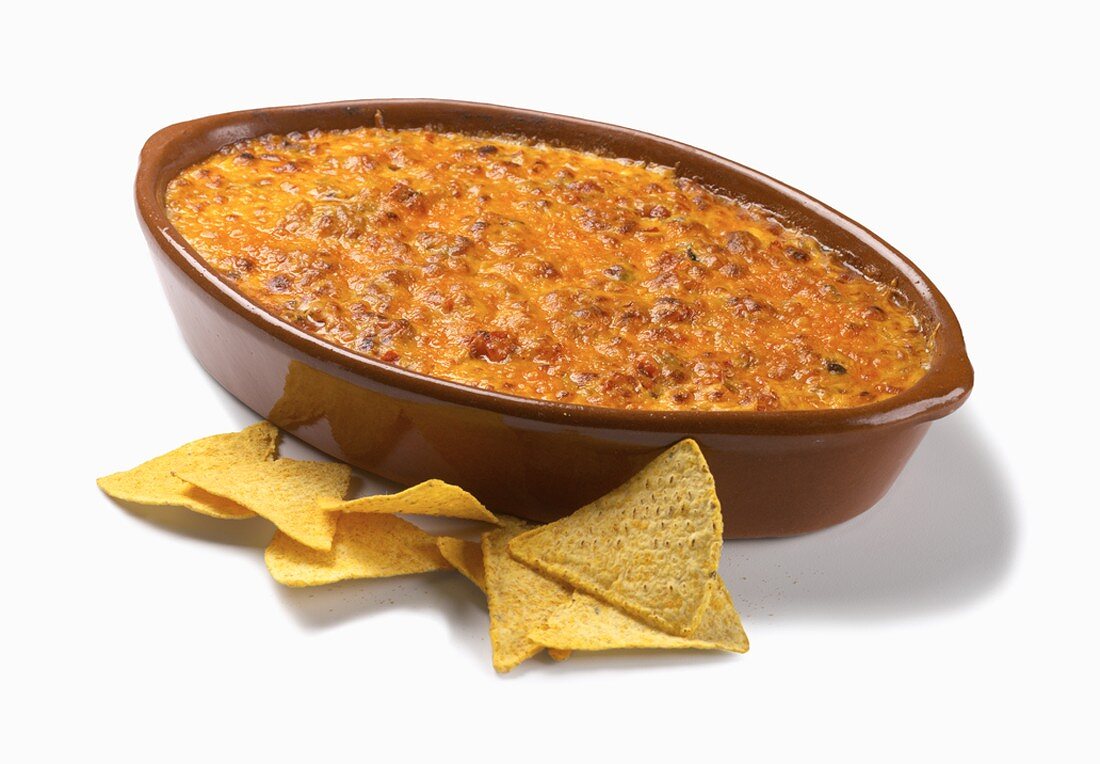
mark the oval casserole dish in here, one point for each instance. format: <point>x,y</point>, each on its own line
<point>777,473</point>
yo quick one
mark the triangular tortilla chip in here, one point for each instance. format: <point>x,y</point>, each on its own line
<point>465,556</point>
<point>650,547</point>
<point>432,497</point>
<point>468,559</point>
<point>520,599</point>
<point>154,483</point>
<point>586,623</point>
<point>285,491</point>
<point>365,546</point>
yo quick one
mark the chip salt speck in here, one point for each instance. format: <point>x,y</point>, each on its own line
<point>586,623</point>
<point>153,482</point>
<point>365,546</point>
<point>650,547</point>
<point>520,599</point>
<point>432,497</point>
<point>285,491</point>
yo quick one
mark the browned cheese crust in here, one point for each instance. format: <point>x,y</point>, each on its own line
<point>545,273</point>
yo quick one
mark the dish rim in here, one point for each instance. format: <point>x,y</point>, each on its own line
<point>943,388</point>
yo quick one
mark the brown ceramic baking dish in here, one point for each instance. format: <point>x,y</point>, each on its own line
<point>778,473</point>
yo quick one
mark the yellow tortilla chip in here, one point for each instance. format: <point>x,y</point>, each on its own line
<point>586,623</point>
<point>520,599</point>
<point>286,492</point>
<point>432,497</point>
<point>365,546</point>
<point>465,556</point>
<point>154,482</point>
<point>468,559</point>
<point>650,547</point>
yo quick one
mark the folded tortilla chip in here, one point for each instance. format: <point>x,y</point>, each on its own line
<point>464,556</point>
<point>365,546</point>
<point>154,482</point>
<point>586,623</point>
<point>520,599</point>
<point>286,492</point>
<point>432,497</point>
<point>468,559</point>
<point>650,547</point>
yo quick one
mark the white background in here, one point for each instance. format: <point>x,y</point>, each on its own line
<point>954,620</point>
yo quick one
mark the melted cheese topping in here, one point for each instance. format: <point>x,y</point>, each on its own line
<point>544,272</point>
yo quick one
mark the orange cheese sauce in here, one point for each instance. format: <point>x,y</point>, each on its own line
<point>544,272</point>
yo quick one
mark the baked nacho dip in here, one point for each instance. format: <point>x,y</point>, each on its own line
<point>544,272</point>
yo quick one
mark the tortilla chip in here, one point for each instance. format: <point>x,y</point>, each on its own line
<point>154,483</point>
<point>586,623</point>
<point>433,497</point>
<point>468,559</point>
<point>365,546</point>
<point>520,599</point>
<point>285,491</point>
<point>465,556</point>
<point>650,547</point>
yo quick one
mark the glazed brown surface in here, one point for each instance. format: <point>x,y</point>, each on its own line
<point>544,272</point>
<point>777,472</point>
